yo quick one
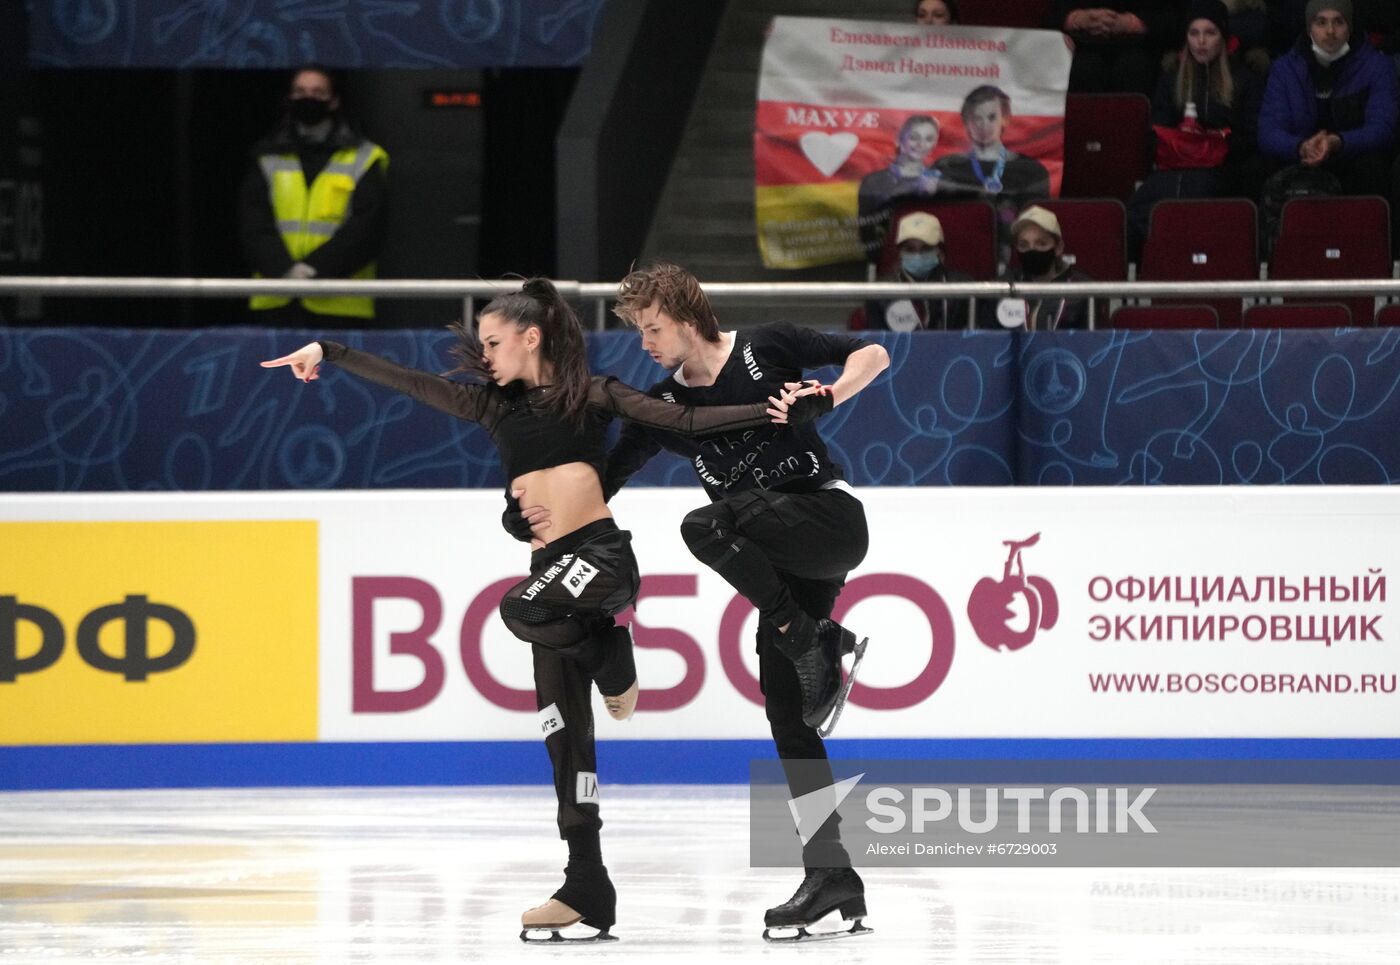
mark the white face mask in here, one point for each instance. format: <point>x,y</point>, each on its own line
<point>1326,59</point>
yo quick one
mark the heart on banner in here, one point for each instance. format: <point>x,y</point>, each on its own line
<point>828,152</point>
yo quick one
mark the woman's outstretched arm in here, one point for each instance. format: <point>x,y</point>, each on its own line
<point>469,402</point>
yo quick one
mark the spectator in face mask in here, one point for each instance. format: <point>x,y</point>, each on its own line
<point>1040,257</point>
<point>919,237</point>
<point>1331,103</point>
<point>313,205</point>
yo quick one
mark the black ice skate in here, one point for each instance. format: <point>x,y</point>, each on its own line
<point>823,891</point>
<point>815,648</point>
<point>587,899</point>
<point>848,645</point>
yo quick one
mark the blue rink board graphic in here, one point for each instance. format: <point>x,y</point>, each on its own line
<point>1264,761</point>
<point>103,410</point>
<point>181,34</point>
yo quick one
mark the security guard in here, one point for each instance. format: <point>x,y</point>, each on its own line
<point>314,205</point>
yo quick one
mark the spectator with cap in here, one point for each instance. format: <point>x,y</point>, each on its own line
<point>1331,105</point>
<point>922,254</point>
<point>1040,257</point>
<point>1205,115</point>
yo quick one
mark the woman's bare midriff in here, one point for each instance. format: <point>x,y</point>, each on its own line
<point>572,494</point>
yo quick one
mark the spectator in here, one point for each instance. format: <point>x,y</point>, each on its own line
<point>1330,106</point>
<point>906,176</point>
<point>313,205</point>
<point>1204,98</point>
<point>921,258</point>
<point>1118,44</point>
<point>990,171</point>
<point>1249,33</point>
<point>1040,249</point>
<point>936,13</point>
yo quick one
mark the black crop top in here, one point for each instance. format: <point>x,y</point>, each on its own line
<point>532,437</point>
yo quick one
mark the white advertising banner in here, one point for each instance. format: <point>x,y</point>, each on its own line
<point>1145,612</point>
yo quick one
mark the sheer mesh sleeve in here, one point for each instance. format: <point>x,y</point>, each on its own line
<point>634,449</point>
<point>469,402</point>
<point>687,420</point>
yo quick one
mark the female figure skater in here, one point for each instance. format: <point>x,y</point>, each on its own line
<point>547,417</point>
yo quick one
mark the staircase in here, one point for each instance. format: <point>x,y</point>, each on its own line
<point>705,219</point>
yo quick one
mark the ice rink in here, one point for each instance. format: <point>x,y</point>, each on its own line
<point>441,875</point>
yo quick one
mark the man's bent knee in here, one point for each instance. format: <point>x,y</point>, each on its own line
<point>710,537</point>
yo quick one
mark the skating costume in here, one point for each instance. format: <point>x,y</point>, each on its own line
<point>565,607</point>
<point>783,528</point>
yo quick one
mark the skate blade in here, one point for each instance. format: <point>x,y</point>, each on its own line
<point>859,652</point>
<point>546,935</point>
<point>802,935</point>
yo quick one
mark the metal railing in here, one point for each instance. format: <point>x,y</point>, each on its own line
<point>720,293</point>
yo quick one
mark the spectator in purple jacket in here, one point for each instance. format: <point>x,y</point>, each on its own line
<point>1331,105</point>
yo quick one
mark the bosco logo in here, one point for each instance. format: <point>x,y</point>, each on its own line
<point>1008,613</point>
<point>135,661</point>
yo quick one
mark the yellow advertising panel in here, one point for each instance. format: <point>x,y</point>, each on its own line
<point>158,632</point>
<point>797,228</point>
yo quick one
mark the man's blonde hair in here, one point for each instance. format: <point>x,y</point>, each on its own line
<point>674,291</point>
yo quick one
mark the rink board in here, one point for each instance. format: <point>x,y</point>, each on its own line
<point>351,638</point>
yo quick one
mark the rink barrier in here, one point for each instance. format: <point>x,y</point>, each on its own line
<point>141,410</point>
<point>1244,761</point>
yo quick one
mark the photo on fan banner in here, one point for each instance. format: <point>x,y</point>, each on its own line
<point>857,117</point>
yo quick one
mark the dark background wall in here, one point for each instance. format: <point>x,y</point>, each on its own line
<point>21,165</point>
<point>142,169</point>
<point>139,168</point>
<point>138,173</point>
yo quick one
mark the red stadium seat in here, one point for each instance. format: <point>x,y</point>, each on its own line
<point>1139,317</point>
<point>1388,315</point>
<point>1331,237</point>
<point>1095,233</point>
<point>1005,13</point>
<point>1212,240</point>
<point>1320,315</point>
<point>1105,145</point>
<point>969,236</point>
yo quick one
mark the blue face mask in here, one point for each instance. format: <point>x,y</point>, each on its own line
<point>919,263</point>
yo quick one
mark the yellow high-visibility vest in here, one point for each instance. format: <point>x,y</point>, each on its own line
<point>308,218</point>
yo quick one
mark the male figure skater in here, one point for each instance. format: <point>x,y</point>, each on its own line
<point>783,527</point>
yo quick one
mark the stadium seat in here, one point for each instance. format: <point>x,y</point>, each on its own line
<point>1203,240</point>
<point>1332,237</point>
<point>1095,233</point>
<point>1105,145</point>
<point>969,232</point>
<point>1389,315</point>
<point>1138,317</point>
<point>1320,315</point>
